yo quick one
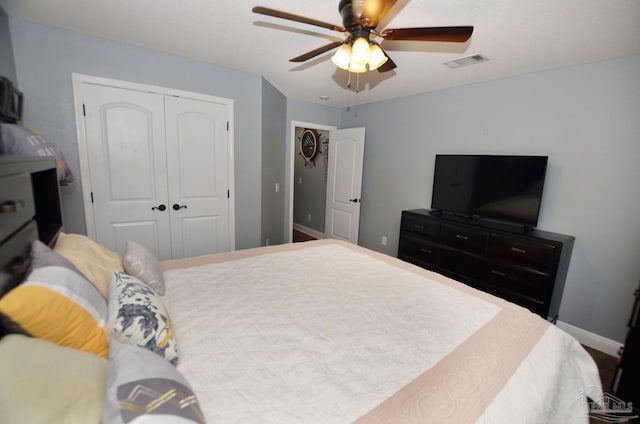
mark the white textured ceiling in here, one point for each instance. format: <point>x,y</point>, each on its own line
<point>518,37</point>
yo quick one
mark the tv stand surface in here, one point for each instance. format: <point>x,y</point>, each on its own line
<point>523,265</point>
<point>512,227</point>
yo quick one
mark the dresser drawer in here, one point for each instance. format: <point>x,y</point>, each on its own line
<point>474,239</point>
<point>420,225</point>
<point>16,203</point>
<point>520,280</point>
<point>539,254</point>
<point>428,252</point>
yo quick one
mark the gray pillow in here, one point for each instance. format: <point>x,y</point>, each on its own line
<point>142,264</point>
<point>144,388</point>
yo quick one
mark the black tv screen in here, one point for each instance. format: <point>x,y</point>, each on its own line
<point>506,188</point>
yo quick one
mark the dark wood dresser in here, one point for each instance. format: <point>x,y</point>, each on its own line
<point>29,210</point>
<point>527,268</point>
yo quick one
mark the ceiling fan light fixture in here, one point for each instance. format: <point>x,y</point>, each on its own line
<point>360,52</point>
<point>357,68</point>
<point>342,56</point>
<point>378,58</point>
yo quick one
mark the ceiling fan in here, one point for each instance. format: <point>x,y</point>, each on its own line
<point>358,53</point>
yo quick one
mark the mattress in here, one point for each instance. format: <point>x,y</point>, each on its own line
<point>329,332</point>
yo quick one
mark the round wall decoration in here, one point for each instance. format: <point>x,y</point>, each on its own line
<point>310,146</point>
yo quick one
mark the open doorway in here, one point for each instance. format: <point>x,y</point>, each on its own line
<point>308,182</point>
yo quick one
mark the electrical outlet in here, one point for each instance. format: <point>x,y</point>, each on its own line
<point>277,187</point>
<point>267,242</point>
<point>308,217</point>
<point>299,180</point>
<point>384,240</point>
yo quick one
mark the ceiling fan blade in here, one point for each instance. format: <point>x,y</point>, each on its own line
<point>316,52</point>
<point>457,34</point>
<point>373,11</point>
<point>297,18</point>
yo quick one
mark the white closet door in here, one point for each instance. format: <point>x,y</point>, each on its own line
<point>344,184</point>
<point>197,152</point>
<point>127,162</point>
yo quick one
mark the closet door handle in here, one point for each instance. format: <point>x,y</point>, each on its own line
<point>178,207</point>
<point>160,208</point>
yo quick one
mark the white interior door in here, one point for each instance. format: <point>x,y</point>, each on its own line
<point>127,163</point>
<point>344,184</point>
<point>197,151</point>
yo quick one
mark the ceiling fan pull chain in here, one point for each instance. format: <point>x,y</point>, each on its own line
<point>349,80</point>
<point>357,83</point>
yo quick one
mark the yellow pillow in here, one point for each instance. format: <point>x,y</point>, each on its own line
<point>96,262</point>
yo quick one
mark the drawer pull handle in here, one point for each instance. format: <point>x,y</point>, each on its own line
<point>19,265</point>
<point>11,206</point>
<point>426,250</point>
<point>518,250</point>
<point>419,227</point>
<point>461,237</point>
<point>498,273</point>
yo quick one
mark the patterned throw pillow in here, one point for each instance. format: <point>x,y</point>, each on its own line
<point>136,315</point>
<point>141,263</point>
<point>144,388</point>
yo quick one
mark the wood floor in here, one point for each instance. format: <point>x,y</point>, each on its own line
<point>299,236</point>
<point>606,365</point>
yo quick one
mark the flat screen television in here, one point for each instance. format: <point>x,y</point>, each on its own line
<point>505,188</point>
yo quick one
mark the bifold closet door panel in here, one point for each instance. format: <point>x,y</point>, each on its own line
<point>197,152</point>
<point>126,146</point>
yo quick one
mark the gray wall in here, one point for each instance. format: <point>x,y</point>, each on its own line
<point>585,118</point>
<point>7,65</point>
<point>45,59</point>
<point>274,143</point>
<point>310,195</point>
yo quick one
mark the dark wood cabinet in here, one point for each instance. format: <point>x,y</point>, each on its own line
<point>29,210</point>
<point>527,267</point>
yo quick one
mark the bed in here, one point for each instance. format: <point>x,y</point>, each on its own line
<point>315,332</point>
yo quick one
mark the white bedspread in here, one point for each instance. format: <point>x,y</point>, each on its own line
<point>325,334</point>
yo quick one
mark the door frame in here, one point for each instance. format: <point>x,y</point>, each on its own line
<point>292,156</point>
<point>83,154</point>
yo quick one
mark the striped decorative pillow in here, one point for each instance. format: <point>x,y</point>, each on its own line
<point>57,303</point>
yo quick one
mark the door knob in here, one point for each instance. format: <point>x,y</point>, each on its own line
<point>161,208</point>
<point>354,200</point>
<point>178,207</point>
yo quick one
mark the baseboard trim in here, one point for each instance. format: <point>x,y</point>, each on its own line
<point>608,346</point>
<point>315,233</point>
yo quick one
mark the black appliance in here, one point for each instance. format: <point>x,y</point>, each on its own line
<point>10,102</point>
<point>504,188</point>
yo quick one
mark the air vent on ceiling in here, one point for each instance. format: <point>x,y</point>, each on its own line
<point>465,61</point>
